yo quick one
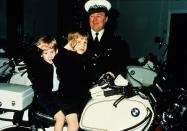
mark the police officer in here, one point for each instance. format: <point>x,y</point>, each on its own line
<point>106,52</point>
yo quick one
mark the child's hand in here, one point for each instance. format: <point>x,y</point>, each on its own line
<point>44,46</point>
<point>69,45</point>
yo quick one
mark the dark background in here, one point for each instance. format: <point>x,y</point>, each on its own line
<point>147,25</point>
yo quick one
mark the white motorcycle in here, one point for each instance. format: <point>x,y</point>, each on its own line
<point>117,107</point>
<point>16,99</point>
<point>126,103</point>
<point>135,103</point>
<point>16,95</point>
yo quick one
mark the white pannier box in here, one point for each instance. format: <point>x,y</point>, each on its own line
<point>15,96</point>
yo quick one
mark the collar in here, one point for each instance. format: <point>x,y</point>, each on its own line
<point>99,35</point>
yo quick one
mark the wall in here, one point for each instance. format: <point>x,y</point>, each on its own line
<point>140,21</point>
<point>40,17</point>
<point>3,19</point>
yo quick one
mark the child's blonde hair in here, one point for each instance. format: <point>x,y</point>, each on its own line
<point>50,41</point>
<point>74,35</point>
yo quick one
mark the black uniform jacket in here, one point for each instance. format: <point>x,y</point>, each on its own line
<point>41,75</point>
<point>39,71</point>
<point>73,78</point>
<point>110,54</point>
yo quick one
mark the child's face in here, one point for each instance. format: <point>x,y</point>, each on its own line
<point>48,55</point>
<point>81,45</point>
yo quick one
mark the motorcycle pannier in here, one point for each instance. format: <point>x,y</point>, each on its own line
<point>15,97</point>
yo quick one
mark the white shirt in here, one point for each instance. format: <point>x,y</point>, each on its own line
<point>55,79</point>
<point>99,35</point>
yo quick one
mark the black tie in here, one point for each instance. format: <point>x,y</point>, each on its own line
<point>96,40</point>
<point>96,49</point>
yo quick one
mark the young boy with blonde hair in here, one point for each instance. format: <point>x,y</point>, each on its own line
<point>45,82</point>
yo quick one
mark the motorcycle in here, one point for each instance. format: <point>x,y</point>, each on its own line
<point>16,95</point>
<point>118,107</point>
<point>139,101</point>
<point>5,69</point>
<point>14,109</point>
<point>145,103</point>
